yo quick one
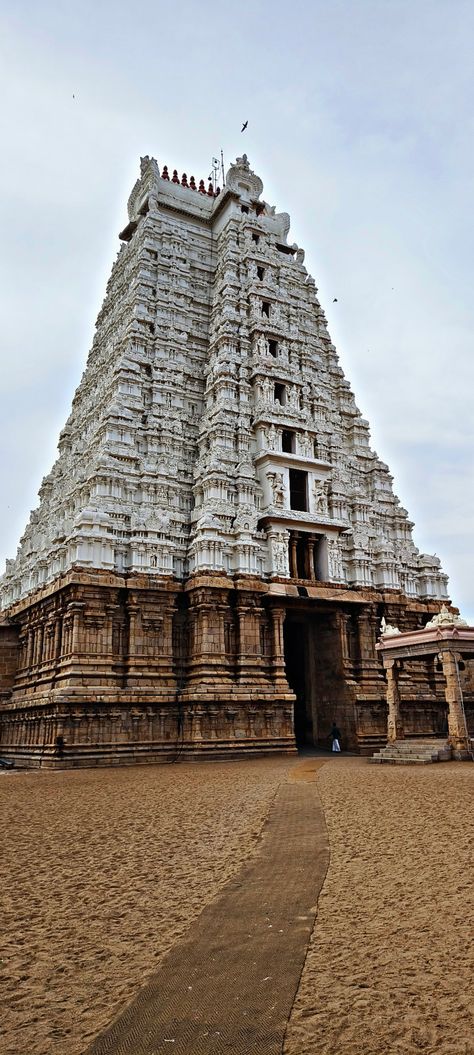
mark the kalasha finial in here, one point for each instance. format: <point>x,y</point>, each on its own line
<point>210,190</point>
<point>165,174</point>
<point>202,189</point>
<point>184,180</point>
<point>175,176</point>
<point>192,183</point>
<point>218,190</point>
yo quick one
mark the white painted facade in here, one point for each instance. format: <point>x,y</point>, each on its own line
<point>211,380</point>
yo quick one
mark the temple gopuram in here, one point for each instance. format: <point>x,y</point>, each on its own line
<point>216,544</point>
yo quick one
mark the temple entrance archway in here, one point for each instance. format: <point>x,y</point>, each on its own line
<point>296,637</point>
<point>313,663</point>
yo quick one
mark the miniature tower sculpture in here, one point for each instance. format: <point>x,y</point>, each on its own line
<point>216,541</point>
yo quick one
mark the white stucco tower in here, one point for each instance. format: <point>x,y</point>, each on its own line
<point>214,471</point>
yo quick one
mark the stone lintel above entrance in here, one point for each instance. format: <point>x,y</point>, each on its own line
<point>298,461</point>
<point>318,593</point>
<point>296,520</point>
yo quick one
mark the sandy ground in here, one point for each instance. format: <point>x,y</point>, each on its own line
<point>101,871</point>
<point>390,968</point>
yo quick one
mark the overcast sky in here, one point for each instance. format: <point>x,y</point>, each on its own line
<point>361,127</point>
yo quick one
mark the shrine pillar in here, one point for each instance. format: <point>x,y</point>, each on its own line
<point>394,720</point>
<point>458,735</point>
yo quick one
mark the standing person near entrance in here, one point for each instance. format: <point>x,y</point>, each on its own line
<point>335,737</point>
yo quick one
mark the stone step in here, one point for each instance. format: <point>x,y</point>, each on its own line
<point>413,752</point>
<point>413,761</point>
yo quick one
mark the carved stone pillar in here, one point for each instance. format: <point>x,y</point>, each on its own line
<point>197,718</point>
<point>278,646</point>
<point>38,653</point>
<point>394,720</point>
<point>57,638</point>
<point>76,610</point>
<point>310,552</point>
<point>162,718</point>
<point>457,728</point>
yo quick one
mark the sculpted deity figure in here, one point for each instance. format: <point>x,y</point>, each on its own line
<point>278,488</point>
<point>262,345</point>
<point>271,437</point>
<point>335,567</point>
<point>267,389</point>
<point>320,497</point>
<point>305,445</point>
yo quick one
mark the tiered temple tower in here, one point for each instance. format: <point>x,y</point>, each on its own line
<point>216,542</point>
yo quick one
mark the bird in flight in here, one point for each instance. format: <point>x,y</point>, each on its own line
<point>335,300</point>
<point>244,126</point>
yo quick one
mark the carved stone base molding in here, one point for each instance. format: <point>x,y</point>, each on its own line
<point>101,669</point>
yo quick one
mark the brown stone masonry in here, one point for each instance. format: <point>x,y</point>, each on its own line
<point>106,669</point>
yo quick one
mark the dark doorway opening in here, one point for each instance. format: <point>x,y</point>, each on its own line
<point>296,662</point>
<point>302,572</point>
<point>298,490</point>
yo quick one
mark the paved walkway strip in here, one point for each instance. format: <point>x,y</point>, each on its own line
<point>230,986</point>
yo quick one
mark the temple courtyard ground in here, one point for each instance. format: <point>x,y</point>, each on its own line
<point>104,874</point>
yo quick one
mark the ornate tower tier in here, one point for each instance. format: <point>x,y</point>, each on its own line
<point>216,538</point>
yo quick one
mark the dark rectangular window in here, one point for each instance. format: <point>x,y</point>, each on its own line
<point>279,393</point>
<point>244,208</point>
<point>288,441</point>
<point>260,272</point>
<point>266,308</point>
<point>255,238</point>
<point>298,490</point>
<point>273,348</point>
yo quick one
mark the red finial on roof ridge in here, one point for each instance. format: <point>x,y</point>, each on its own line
<point>175,176</point>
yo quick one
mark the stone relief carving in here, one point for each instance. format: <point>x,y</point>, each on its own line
<point>278,488</point>
<point>445,618</point>
<point>320,492</point>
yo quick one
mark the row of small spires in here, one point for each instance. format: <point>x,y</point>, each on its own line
<point>192,182</point>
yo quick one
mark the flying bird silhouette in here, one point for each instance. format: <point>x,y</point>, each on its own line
<point>244,126</point>
<point>335,300</point>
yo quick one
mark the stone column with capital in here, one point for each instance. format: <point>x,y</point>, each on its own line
<point>311,561</point>
<point>394,721</point>
<point>278,648</point>
<point>458,735</point>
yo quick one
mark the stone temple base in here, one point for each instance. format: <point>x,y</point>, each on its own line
<point>127,735</point>
<point>102,669</point>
